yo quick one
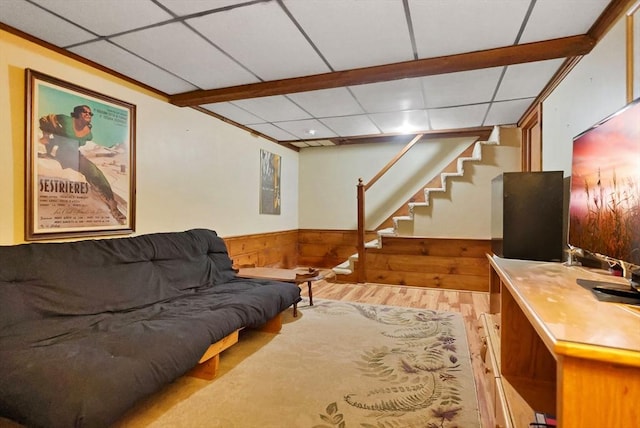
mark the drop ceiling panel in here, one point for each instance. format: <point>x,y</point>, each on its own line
<point>458,117</point>
<point>347,126</point>
<point>104,18</point>
<point>507,112</point>
<point>402,122</point>
<point>299,144</point>
<point>272,49</point>
<point>187,7</point>
<point>325,142</point>
<point>354,33</point>
<point>130,65</point>
<point>327,102</point>
<point>457,26</point>
<point>526,80</point>
<point>306,129</point>
<point>551,19</point>
<point>172,47</point>
<point>404,94</point>
<point>272,131</point>
<point>227,43</point>
<point>29,18</point>
<point>314,143</point>
<point>273,109</point>
<point>233,112</point>
<point>466,87</point>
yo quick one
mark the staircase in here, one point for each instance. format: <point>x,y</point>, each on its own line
<point>403,225</point>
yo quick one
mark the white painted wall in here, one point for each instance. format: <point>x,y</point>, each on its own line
<point>465,210</point>
<point>192,169</point>
<point>329,176</point>
<point>198,171</point>
<point>593,90</point>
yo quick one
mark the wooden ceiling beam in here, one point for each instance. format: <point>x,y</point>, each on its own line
<point>608,18</point>
<point>518,54</point>
<point>481,132</point>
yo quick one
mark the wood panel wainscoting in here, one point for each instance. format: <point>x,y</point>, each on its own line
<point>319,248</point>
<point>324,248</point>
<point>459,264</point>
<point>273,249</point>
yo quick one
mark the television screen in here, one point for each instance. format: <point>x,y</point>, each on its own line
<point>604,207</point>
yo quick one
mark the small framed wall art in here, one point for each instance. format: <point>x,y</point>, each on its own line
<point>80,161</point>
<point>270,164</point>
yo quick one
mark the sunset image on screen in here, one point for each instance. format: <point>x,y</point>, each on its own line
<point>604,210</point>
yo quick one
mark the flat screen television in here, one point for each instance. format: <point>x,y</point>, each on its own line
<point>604,204</point>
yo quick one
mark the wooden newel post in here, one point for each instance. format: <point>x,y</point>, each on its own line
<point>362,188</point>
<point>360,273</point>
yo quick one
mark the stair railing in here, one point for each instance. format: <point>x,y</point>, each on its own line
<point>361,189</point>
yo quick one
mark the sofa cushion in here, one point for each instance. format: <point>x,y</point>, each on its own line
<point>45,279</point>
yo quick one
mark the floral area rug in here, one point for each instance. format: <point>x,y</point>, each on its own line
<point>337,365</point>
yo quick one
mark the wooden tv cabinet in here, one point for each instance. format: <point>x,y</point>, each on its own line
<point>557,349</point>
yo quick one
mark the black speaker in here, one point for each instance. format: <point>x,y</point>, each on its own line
<point>526,215</point>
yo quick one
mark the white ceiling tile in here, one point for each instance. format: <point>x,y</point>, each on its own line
<point>273,109</point>
<point>348,126</point>
<point>104,17</point>
<point>403,94</point>
<point>507,112</point>
<point>265,40</point>
<point>326,143</point>
<point>314,143</point>
<point>306,129</point>
<point>465,87</point>
<point>354,33</point>
<point>457,26</point>
<point>272,131</point>
<point>233,112</point>
<point>327,102</point>
<point>187,7</point>
<point>458,117</point>
<point>552,19</point>
<point>29,18</point>
<point>299,144</point>
<point>402,121</point>
<point>273,49</point>
<point>172,47</point>
<point>527,80</point>
<point>130,65</point>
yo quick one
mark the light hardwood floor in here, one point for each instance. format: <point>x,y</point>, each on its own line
<point>470,304</point>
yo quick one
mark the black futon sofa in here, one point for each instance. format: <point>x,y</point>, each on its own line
<point>88,328</point>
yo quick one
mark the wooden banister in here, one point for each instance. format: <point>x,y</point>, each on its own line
<point>361,189</point>
<point>393,161</point>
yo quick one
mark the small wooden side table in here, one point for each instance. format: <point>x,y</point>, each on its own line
<point>294,276</point>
